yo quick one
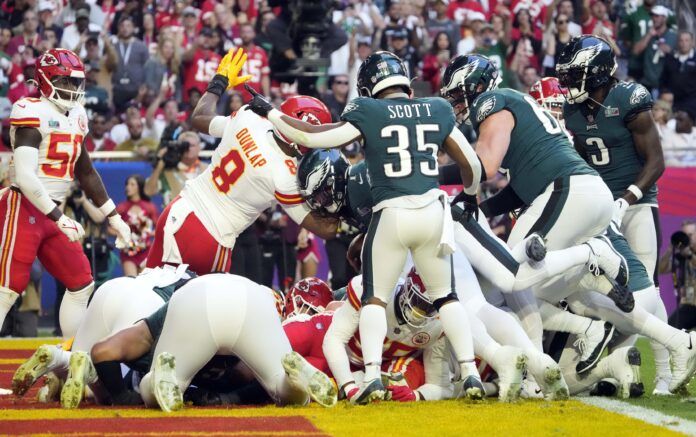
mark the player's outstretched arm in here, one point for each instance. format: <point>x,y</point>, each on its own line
<point>458,148</point>
<point>325,136</point>
<point>92,185</point>
<point>494,140</point>
<point>324,227</point>
<point>648,146</point>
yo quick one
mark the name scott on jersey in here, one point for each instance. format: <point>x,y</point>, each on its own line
<point>409,110</point>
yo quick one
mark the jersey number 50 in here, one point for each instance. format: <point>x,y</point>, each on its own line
<point>402,149</point>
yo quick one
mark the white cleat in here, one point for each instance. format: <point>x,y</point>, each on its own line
<point>605,259</point>
<point>80,373</point>
<point>624,366</point>
<point>530,389</point>
<point>662,386</point>
<point>510,365</point>
<point>683,364</point>
<point>50,391</point>
<point>309,379</point>
<point>165,385</point>
<point>32,369</point>
<point>556,387</point>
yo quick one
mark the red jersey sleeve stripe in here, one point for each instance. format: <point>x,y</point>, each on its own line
<point>27,121</point>
<point>352,298</point>
<point>288,199</point>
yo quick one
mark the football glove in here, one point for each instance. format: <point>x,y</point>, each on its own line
<point>402,393</point>
<point>72,229</point>
<point>123,231</point>
<point>620,207</point>
<point>227,74</point>
<point>258,104</point>
<point>470,205</point>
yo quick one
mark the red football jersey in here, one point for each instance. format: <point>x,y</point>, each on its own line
<point>257,66</point>
<point>306,335</point>
<point>200,71</point>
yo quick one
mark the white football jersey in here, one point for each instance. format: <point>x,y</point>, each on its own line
<point>61,141</point>
<point>403,340</point>
<point>248,173</point>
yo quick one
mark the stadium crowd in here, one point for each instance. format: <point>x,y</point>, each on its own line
<point>148,63</point>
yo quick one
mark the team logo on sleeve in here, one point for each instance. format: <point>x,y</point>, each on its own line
<point>638,94</point>
<point>485,109</point>
<point>350,107</point>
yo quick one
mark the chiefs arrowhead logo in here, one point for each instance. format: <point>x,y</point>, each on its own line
<point>48,60</point>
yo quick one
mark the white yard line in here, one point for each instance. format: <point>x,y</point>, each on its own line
<point>673,423</point>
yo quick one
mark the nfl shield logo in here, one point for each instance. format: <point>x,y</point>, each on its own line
<point>53,123</point>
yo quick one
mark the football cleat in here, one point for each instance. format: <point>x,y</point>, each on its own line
<point>592,343</point>
<point>622,296</point>
<point>556,387</point>
<point>309,379</point>
<point>662,386</point>
<point>683,364</point>
<point>605,387</point>
<point>472,388</point>
<point>370,391</point>
<point>50,391</point>
<point>511,364</point>
<point>530,389</point>
<point>624,366</point>
<point>80,373</point>
<point>605,259</point>
<point>535,248</point>
<point>165,385</point>
<point>32,369</point>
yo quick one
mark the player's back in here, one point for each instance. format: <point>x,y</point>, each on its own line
<point>607,141</point>
<point>358,210</point>
<point>61,141</point>
<point>401,137</point>
<point>539,151</point>
<point>247,174</point>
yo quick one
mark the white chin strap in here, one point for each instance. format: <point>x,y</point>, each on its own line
<point>577,96</point>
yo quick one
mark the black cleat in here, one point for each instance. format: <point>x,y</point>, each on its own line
<point>622,297</point>
<point>604,388</point>
<point>595,355</point>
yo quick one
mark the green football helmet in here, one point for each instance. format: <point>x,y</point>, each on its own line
<point>465,78</point>
<point>380,71</point>
<point>322,179</point>
<point>585,64</point>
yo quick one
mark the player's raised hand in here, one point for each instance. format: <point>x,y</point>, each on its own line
<point>231,65</point>
<point>123,231</point>
<point>72,229</point>
<point>258,104</point>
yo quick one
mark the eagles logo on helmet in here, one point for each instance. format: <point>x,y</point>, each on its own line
<point>321,176</point>
<point>585,64</point>
<point>308,296</point>
<point>467,77</point>
<point>382,70</point>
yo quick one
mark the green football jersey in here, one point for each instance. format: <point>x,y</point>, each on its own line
<point>401,138</point>
<point>638,278</point>
<point>358,208</point>
<point>540,150</point>
<point>607,141</point>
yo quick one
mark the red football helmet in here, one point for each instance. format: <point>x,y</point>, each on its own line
<point>550,95</point>
<point>307,296</point>
<point>60,76</point>
<point>416,307</point>
<point>305,108</point>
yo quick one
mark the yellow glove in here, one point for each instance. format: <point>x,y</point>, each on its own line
<point>231,65</point>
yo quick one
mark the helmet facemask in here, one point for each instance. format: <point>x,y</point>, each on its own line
<point>457,98</point>
<point>328,192</point>
<point>68,92</point>
<point>574,79</point>
<point>416,308</point>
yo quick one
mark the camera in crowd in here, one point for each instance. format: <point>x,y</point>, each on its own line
<point>175,151</point>
<point>681,245</point>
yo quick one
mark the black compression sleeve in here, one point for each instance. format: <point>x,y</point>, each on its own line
<point>503,202</point>
<point>109,373</point>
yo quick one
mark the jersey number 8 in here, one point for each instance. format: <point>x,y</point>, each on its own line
<point>402,149</point>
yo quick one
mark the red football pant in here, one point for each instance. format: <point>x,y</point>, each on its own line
<point>411,368</point>
<point>26,234</point>
<point>197,247</point>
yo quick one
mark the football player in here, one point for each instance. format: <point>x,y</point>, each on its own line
<point>613,129</point>
<point>549,94</point>
<point>47,135</point>
<point>401,137</point>
<point>307,297</point>
<point>251,169</point>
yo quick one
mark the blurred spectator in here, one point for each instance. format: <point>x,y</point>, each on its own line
<point>337,98</point>
<point>595,19</point>
<point>129,73</point>
<point>200,63</point>
<point>47,19</point>
<point>173,169</point>
<point>235,102</point>
<point>529,76</point>
<point>442,23</point>
<point>460,10</point>
<point>436,60</point>
<point>369,15</point>
<point>190,25</point>
<point>398,43</point>
<point>679,72</point>
<point>137,142</point>
<point>96,97</point>
<point>106,62</point>
<point>68,15</point>
<point>657,43</point>
<point>163,67</point>
<point>488,44</point>
<point>361,48</point>
<point>396,19</point>
<point>680,261</point>
<point>563,7</point>
<point>246,255</point>
<point>526,44</point>
<point>633,28</point>
<point>262,39</point>
<point>148,33</point>
<point>662,113</point>
<point>29,37</point>
<point>141,215</point>
<point>256,64</point>
<point>75,36</point>
<point>157,121</point>
<point>556,38</point>
<point>679,140</point>
<point>278,241</point>
<point>470,28</point>
<point>24,86</point>
<point>133,10</point>
<point>97,140</point>
<point>308,255</point>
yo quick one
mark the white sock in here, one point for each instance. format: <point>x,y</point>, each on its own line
<point>7,299</point>
<point>484,345</point>
<point>73,309</point>
<point>61,360</point>
<point>373,330</point>
<point>455,323</point>
<point>555,319</point>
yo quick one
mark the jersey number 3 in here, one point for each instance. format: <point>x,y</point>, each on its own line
<point>62,151</point>
<point>599,157</point>
<point>402,149</point>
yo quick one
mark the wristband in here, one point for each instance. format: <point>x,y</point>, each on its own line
<point>107,208</point>
<point>636,191</point>
<point>218,85</point>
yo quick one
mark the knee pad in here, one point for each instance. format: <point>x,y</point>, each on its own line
<point>439,302</point>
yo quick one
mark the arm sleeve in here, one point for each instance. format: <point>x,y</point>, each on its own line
<point>217,126</point>
<point>437,373</point>
<point>26,161</point>
<point>339,136</point>
<point>296,211</point>
<point>503,202</point>
<point>343,327</point>
<point>471,158</point>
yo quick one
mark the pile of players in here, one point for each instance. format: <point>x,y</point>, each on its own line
<point>443,308</point>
